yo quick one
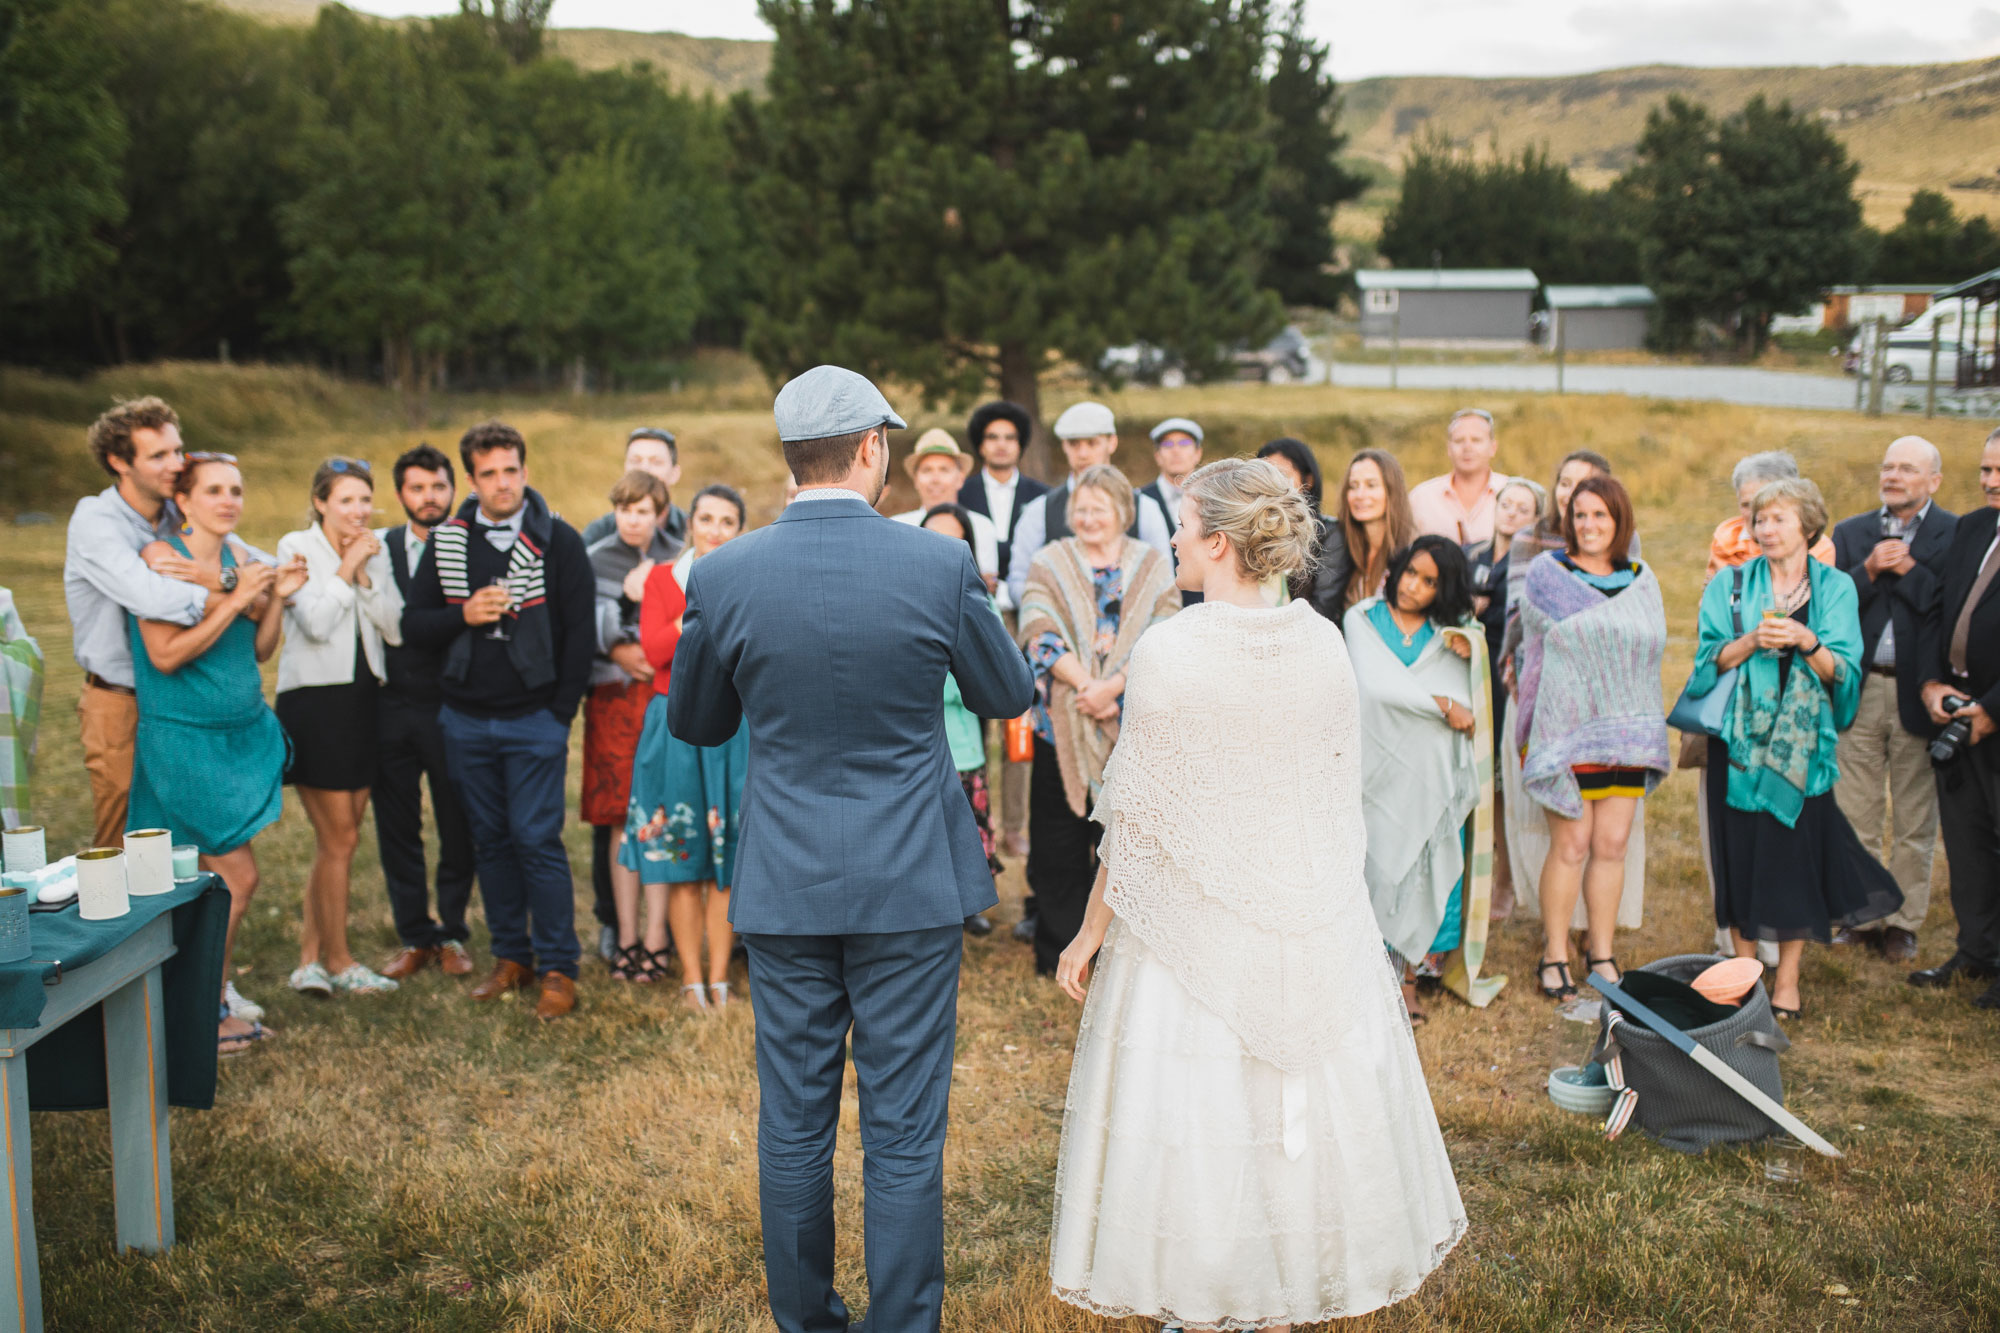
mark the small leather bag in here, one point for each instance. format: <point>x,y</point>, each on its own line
<point>1704,713</point>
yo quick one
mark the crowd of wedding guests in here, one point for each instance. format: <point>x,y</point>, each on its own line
<point>1506,639</point>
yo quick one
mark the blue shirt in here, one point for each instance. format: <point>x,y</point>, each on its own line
<point>104,578</point>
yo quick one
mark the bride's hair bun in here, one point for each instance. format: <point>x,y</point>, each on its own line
<point>1248,501</point>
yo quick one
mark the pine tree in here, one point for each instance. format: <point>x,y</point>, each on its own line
<point>1307,181</point>
<point>957,192</point>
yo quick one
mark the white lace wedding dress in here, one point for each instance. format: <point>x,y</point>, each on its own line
<point>1248,1138</point>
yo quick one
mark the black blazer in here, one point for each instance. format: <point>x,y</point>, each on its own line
<point>1902,599</point>
<point>1982,648</point>
<point>973,496</point>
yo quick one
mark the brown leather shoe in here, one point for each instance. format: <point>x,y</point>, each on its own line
<point>558,996</point>
<point>407,963</point>
<point>505,976</point>
<point>1899,945</point>
<point>454,959</point>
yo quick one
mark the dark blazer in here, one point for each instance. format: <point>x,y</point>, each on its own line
<point>1982,649</point>
<point>973,496</point>
<point>854,821</point>
<point>1903,600</point>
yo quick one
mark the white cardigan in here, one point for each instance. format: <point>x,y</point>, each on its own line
<point>321,618</point>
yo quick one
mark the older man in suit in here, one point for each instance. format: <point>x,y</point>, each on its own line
<point>1895,555</point>
<point>1962,652</point>
<point>859,858</point>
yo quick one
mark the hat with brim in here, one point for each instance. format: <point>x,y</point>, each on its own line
<point>935,443</point>
<point>1176,426</point>
<point>827,401</point>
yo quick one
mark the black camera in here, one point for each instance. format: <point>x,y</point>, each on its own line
<point>1957,734</point>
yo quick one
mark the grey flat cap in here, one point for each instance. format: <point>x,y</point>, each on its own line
<point>1081,421</point>
<point>1180,424</point>
<point>828,401</point>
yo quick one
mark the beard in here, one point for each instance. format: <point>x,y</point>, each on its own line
<point>428,516</point>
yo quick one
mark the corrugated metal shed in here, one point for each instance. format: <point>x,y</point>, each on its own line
<point>1601,296</point>
<point>1447,279</point>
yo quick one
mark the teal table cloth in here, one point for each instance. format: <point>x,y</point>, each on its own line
<point>66,1069</point>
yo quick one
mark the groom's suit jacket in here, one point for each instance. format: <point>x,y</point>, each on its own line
<point>829,634</point>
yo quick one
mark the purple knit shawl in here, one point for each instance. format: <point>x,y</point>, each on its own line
<point>1588,681</point>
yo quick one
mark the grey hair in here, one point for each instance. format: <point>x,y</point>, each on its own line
<point>1772,465</point>
<point>1480,412</point>
<point>1937,455</point>
<point>1991,436</point>
<point>1804,499</point>
<point>1109,482</point>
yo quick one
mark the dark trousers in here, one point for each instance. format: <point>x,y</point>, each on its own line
<point>1968,791</point>
<point>897,994</point>
<point>409,748</point>
<point>1062,860</point>
<point>602,903</point>
<point>509,773</point>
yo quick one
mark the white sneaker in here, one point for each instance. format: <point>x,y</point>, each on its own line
<point>247,1010</point>
<point>311,980</point>
<point>355,979</point>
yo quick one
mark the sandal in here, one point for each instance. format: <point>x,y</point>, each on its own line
<point>1566,990</point>
<point>656,967</point>
<point>1612,963</point>
<point>694,995</point>
<point>628,963</point>
<point>718,995</point>
<point>235,1043</point>
<point>1789,1015</point>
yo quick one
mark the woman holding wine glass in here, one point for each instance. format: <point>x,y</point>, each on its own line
<point>335,628</point>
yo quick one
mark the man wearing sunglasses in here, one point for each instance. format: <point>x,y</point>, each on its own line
<point>647,449</point>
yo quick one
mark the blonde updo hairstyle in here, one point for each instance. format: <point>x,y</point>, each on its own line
<point>1110,483</point>
<point>1267,521</point>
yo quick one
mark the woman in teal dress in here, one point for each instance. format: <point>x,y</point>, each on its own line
<point>209,763</point>
<point>687,800</point>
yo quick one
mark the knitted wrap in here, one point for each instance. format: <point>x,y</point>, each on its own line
<point>1588,682</point>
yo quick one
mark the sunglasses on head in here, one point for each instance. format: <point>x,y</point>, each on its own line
<point>358,466</point>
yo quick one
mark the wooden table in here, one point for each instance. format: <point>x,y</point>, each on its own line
<point>126,980</point>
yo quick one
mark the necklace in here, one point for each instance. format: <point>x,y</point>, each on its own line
<point>1396,617</point>
<point>1795,598</point>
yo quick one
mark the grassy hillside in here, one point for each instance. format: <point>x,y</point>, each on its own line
<point>1911,126</point>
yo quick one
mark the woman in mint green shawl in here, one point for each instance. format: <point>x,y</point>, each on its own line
<point>1788,866</point>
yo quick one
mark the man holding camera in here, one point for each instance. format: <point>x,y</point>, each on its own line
<point>1895,554</point>
<point>1962,696</point>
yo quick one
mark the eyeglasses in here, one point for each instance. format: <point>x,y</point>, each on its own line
<point>355,465</point>
<point>207,456</point>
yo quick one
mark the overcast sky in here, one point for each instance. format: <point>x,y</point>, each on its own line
<point>1489,37</point>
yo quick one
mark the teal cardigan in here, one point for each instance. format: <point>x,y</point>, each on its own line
<point>963,730</point>
<point>1834,616</point>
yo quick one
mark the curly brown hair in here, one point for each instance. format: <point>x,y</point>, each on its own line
<point>485,438</point>
<point>111,434</point>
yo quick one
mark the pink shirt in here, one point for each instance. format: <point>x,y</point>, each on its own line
<point>1436,508</point>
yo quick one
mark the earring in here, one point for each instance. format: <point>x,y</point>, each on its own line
<point>187,528</point>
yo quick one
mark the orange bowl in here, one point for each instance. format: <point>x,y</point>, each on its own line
<point>1729,982</point>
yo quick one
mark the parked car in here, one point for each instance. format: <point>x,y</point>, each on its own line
<point>1286,359</point>
<point>1909,358</point>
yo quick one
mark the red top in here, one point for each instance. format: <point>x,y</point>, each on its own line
<point>660,622</point>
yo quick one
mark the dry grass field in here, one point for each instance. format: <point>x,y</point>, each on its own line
<point>420,1163</point>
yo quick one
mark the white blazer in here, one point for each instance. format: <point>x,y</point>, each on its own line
<point>322,617</point>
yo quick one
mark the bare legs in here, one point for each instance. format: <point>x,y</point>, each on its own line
<point>1785,983</point>
<point>336,821</point>
<point>238,870</point>
<point>696,909</point>
<point>1586,855</point>
<point>626,892</point>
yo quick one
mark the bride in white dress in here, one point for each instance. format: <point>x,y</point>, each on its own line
<point>1248,1141</point>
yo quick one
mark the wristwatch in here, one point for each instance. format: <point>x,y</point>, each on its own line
<point>227,578</point>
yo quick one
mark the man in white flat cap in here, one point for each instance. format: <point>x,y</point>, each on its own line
<point>1177,451</point>
<point>1089,436</point>
<point>859,859</point>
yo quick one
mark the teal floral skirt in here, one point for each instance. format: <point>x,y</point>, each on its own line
<point>700,791</point>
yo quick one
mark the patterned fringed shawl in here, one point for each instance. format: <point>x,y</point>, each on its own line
<point>1061,598</point>
<point>1588,682</point>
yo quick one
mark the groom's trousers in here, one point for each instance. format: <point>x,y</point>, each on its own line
<point>898,996</point>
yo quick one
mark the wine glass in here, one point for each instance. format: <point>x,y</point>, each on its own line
<point>498,632</point>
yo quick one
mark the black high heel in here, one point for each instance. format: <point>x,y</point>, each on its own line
<point>1563,992</point>
<point>629,962</point>
<point>1613,962</point>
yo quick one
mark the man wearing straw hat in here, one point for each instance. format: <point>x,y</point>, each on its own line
<point>939,468</point>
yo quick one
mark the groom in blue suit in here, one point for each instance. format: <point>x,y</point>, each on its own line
<point>829,634</point>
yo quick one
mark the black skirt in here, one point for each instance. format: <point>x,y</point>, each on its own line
<point>333,731</point>
<point>1799,883</point>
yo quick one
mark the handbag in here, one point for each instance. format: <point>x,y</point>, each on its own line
<point>1704,714</point>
